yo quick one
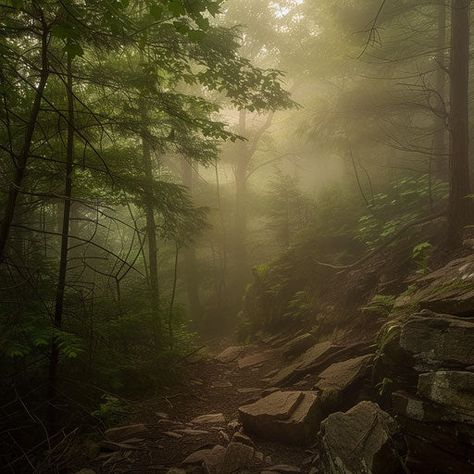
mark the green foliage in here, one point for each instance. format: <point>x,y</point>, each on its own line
<point>299,306</point>
<point>406,200</point>
<point>381,305</point>
<point>290,211</point>
<point>385,387</point>
<point>421,254</point>
<point>111,410</point>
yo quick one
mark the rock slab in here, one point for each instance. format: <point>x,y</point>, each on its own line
<point>289,417</point>
<point>360,441</point>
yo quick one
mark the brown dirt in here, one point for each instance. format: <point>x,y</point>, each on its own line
<point>196,395</point>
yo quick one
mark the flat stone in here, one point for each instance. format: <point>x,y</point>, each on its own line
<point>248,390</point>
<point>283,468</point>
<point>451,388</point>
<point>360,441</point>
<point>124,432</point>
<point>230,354</point>
<point>213,418</point>
<point>298,345</point>
<point>340,377</point>
<point>255,359</point>
<point>277,406</point>
<point>290,417</point>
<point>191,432</point>
<point>197,458</point>
<point>302,364</point>
<point>436,340</point>
<point>172,434</point>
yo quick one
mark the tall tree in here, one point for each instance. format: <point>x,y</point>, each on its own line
<point>460,211</point>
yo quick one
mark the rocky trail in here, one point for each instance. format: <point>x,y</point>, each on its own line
<point>202,413</point>
<point>300,403</point>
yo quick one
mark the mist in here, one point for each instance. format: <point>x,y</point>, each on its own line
<point>236,236</point>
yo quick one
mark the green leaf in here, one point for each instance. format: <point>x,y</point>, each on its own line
<point>156,11</point>
<point>73,49</point>
<point>62,31</point>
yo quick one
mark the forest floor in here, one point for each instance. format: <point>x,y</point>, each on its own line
<point>207,387</point>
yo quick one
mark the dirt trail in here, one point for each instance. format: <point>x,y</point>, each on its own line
<point>207,387</point>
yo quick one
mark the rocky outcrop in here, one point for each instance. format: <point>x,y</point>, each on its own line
<point>363,440</point>
<point>290,417</point>
<point>447,290</point>
<point>427,360</point>
<point>435,340</point>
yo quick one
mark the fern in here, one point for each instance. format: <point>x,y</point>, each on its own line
<point>380,304</point>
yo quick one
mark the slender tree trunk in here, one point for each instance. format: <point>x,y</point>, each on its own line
<point>439,144</point>
<point>151,235</point>
<point>22,161</point>
<point>189,254</point>
<point>173,296</point>
<point>460,206</point>
<point>222,277</point>
<point>241,170</point>
<point>60,290</point>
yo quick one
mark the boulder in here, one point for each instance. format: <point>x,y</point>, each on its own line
<point>290,417</point>
<point>360,441</point>
<point>436,340</point>
<point>338,378</point>
<point>449,388</point>
<point>230,354</point>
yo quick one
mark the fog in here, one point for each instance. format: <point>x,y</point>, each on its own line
<point>178,177</point>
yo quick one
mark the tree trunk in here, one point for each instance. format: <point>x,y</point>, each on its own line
<point>189,255</point>
<point>60,290</point>
<point>172,299</point>
<point>241,170</point>
<point>151,235</point>
<point>439,143</point>
<point>22,160</point>
<point>460,205</point>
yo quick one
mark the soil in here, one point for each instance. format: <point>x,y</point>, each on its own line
<point>207,387</point>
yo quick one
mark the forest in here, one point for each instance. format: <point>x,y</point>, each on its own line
<point>236,236</point>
